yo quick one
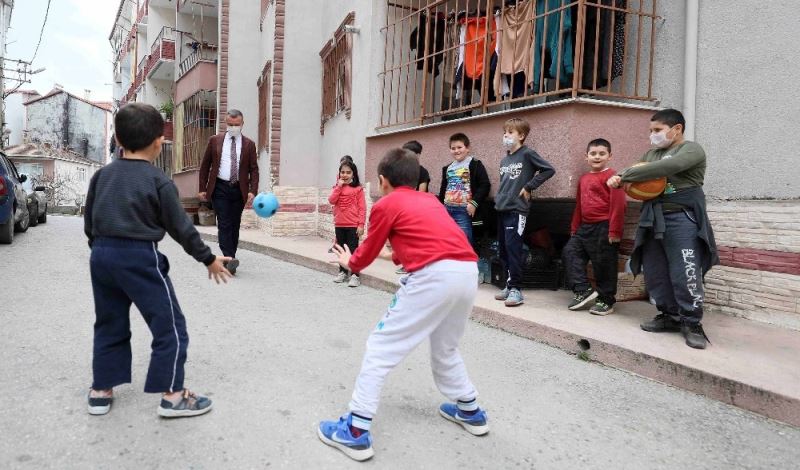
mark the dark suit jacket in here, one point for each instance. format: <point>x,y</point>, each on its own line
<point>248,166</point>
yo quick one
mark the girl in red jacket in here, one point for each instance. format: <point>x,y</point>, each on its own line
<point>349,214</point>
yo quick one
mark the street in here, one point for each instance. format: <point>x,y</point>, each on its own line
<point>278,349</point>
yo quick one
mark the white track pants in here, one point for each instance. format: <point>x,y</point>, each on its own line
<point>434,302</point>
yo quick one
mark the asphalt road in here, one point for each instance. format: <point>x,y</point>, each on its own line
<point>278,349</point>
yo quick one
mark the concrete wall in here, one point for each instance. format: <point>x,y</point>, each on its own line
<point>267,51</point>
<point>558,133</point>
<point>80,186</point>
<point>62,119</point>
<point>244,66</point>
<point>15,116</point>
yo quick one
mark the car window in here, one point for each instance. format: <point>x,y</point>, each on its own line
<point>13,169</point>
<point>3,165</point>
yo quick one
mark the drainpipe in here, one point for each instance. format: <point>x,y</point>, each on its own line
<point>690,68</point>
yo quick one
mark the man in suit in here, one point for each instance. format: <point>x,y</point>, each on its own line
<point>229,177</point>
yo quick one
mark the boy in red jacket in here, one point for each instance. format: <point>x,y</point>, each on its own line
<point>439,259</point>
<point>596,232</point>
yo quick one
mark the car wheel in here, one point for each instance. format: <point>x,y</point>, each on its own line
<point>33,212</point>
<point>23,224</point>
<point>7,232</point>
<point>43,218</point>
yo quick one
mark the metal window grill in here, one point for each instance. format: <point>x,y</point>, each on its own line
<point>446,59</point>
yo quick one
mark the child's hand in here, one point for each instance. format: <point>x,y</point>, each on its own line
<point>218,271</point>
<point>385,254</point>
<point>360,231</point>
<point>525,194</point>
<point>342,182</point>
<point>343,256</point>
<point>471,210</point>
<point>612,240</point>
<point>614,182</point>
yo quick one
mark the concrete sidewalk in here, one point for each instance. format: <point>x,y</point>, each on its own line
<point>750,365</point>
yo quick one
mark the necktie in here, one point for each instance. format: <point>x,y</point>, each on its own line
<point>234,162</point>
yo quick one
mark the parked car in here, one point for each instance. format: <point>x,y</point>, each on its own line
<point>37,206</point>
<point>14,214</point>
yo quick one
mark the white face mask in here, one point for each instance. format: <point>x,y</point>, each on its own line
<point>235,131</point>
<point>660,139</point>
<point>508,142</point>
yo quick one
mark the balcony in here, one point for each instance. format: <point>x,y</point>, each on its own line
<point>206,8</point>
<point>141,15</point>
<point>197,72</point>
<point>162,56</point>
<point>531,54</point>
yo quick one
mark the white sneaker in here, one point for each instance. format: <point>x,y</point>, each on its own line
<point>340,278</point>
<point>354,281</point>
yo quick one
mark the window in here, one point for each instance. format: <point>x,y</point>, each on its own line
<point>337,66</point>
<point>81,174</point>
<point>264,106</point>
<point>447,59</point>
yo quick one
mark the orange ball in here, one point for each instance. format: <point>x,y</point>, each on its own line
<point>646,190</point>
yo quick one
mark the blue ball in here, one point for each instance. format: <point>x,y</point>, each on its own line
<point>265,205</point>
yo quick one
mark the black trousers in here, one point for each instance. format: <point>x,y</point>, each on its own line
<point>126,272</point>
<point>228,207</point>
<point>673,272</point>
<point>347,236</point>
<point>510,227</point>
<point>590,243</point>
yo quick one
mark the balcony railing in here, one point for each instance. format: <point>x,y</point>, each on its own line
<point>484,56</point>
<point>144,5</point>
<point>201,53</point>
<point>163,48</point>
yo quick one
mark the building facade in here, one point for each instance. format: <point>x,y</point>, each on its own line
<point>64,120</point>
<point>318,80</point>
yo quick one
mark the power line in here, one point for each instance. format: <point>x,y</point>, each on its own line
<point>41,33</point>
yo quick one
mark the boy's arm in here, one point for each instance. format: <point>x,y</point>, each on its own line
<point>544,171</point>
<point>379,226</point>
<point>443,186</point>
<point>180,227</point>
<point>616,217</point>
<point>87,210</point>
<point>689,156</point>
<point>481,190</point>
<point>576,214</point>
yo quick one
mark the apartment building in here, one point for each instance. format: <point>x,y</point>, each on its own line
<point>318,80</point>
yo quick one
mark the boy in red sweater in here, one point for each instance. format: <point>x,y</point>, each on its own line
<point>439,259</point>
<point>596,232</point>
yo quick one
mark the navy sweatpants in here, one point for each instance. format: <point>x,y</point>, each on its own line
<point>133,271</point>
<point>510,227</point>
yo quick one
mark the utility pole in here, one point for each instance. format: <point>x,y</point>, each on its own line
<point>6,6</point>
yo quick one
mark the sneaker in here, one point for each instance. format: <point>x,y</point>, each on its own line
<point>662,323</point>
<point>99,405</point>
<point>337,434</point>
<point>695,335</point>
<point>355,281</point>
<point>514,298</point>
<point>582,299</point>
<point>232,265</point>
<point>191,404</point>
<point>401,270</point>
<point>475,424</point>
<point>340,278</point>
<point>502,295</point>
<point>601,308</point>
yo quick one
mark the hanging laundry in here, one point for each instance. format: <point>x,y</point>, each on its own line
<point>436,43</point>
<point>473,44</point>
<point>515,41</point>
<point>553,45</point>
<point>609,37</point>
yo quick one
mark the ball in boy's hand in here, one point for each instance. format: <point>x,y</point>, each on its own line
<point>265,205</point>
<point>645,190</point>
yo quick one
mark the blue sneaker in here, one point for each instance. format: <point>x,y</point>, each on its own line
<point>476,424</point>
<point>337,434</point>
<point>514,298</point>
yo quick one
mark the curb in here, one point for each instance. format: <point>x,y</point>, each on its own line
<point>758,400</point>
